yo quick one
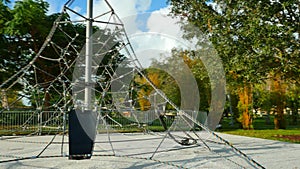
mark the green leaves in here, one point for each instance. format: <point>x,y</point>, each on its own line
<point>247,34</point>
<point>28,16</point>
<point>5,15</point>
<point>257,40</point>
<point>23,30</point>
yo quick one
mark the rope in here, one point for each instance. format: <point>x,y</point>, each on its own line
<point>116,35</point>
<point>225,141</point>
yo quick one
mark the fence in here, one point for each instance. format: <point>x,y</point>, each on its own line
<point>25,122</point>
<point>120,123</point>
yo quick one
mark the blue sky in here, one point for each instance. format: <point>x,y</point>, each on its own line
<point>55,5</point>
<point>123,8</point>
<point>146,22</point>
<point>141,6</point>
<point>139,16</point>
<point>80,5</point>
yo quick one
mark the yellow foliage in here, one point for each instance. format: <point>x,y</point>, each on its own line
<point>145,91</point>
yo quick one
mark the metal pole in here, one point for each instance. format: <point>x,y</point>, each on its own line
<point>81,126</point>
<point>88,55</point>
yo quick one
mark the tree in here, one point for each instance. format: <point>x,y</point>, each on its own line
<point>263,98</point>
<point>194,64</point>
<point>22,32</point>
<point>293,102</point>
<point>25,31</point>
<point>145,89</point>
<point>255,39</point>
<point>5,16</point>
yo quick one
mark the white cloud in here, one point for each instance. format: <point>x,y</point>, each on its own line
<point>149,46</point>
<point>164,33</point>
<point>160,22</point>
<point>143,5</point>
<point>122,8</point>
<point>127,11</point>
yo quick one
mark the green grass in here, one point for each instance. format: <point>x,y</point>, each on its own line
<point>19,133</point>
<point>268,134</point>
<point>264,130</point>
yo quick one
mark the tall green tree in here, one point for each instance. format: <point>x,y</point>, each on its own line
<point>5,16</point>
<point>255,39</point>
<point>25,30</point>
<point>25,33</point>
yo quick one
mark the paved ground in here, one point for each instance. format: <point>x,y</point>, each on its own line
<point>134,151</point>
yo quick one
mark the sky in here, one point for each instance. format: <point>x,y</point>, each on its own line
<point>123,8</point>
<point>151,31</point>
<point>147,5</point>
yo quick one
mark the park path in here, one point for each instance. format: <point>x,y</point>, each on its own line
<point>269,153</point>
<point>272,154</point>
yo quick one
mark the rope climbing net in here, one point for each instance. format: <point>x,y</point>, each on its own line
<point>52,84</point>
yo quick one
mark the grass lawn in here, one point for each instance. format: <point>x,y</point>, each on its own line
<point>264,130</point>
<point>288,135</point>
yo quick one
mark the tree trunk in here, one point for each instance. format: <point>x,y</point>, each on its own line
<point>4,99</point>
<point>235,101</point>
<point>279,119</point>
<point>268,120</point>
<point>294,108</point>
<point>295,115</point>
<point>245,97</point>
